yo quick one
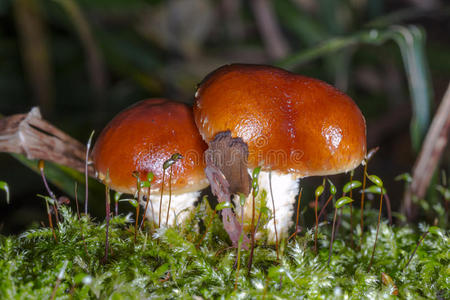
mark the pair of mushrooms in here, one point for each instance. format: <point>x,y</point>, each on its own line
<point>294,127</point>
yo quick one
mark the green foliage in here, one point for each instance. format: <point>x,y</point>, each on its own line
<point>166,264</point>
<point>319,190</point>
<point>411,41</point>
<point>4,186</point>
<point>342,201</point>
<point>354,184</point>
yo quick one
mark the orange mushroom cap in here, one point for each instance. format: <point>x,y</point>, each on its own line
<point>291,123</point>
<point>141,138</point>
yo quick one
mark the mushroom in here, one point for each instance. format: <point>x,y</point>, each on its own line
<point>294,127</point>
<point>140,139</point>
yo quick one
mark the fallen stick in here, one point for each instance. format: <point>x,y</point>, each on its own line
<point>32,136</point>
<point>432,149</point>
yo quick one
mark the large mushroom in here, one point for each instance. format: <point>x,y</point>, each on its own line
<point>140,139</point>
<point>294,127</point>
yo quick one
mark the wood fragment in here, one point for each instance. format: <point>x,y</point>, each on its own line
<point>32,136</point>
<point>427,161</point>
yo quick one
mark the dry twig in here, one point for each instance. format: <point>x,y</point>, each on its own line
<point>32,136</point>
<point>432,149</point>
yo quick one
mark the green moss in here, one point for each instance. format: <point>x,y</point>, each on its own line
<point>168,264</point>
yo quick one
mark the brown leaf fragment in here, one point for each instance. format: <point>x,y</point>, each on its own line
<point>221,189</point>
<point>230,156</point>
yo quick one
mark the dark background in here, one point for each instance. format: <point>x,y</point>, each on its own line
<point>83,61</point>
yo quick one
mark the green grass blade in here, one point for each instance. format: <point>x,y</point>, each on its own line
<point>62,177</point>
<point>411,41</point>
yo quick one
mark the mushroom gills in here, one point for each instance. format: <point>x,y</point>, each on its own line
<point>285,188</point>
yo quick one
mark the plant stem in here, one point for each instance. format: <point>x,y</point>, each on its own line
<point>76,200</point>
<point>79,219</point>
<point>274,216</point>
<point>253,235</point>
<point>86,182</point>
<point>362,203</point>
<point>332,237</point>
<point>351,214</point>
<point>317,223</point>
<point>145,209</point>
<point>86,177</point>
<point>137,212</point>
<point>239,248</point>
<point>55,288</point>
<point>49,191</point>
<point>170,195</point>
<point>415,249</point>
<point>50,221</point>
<point>388,208</point>
<point>160,200</point>
<point>108,208</point>
<point>325,206</point>
<point>378,229</point>
<point>298,211</point>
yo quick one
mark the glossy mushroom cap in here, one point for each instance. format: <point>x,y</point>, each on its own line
<point>291,123</point>
<point>141,138</point>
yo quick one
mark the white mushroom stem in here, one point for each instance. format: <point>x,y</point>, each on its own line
<point>180,207</point>
<point>285,188</point>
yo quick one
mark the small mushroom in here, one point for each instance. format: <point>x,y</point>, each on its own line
<point>140,139</point>
<point>294,127</point>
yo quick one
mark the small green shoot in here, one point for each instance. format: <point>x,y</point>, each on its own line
<point>339,203</point>
<point>365,162</point>
<point>352,173</point>
<point>86,173</point>
<point>173,159</point>
<point>138,188</point>
<point>78,216</point>
<point>406,177</point>
<point>297,228</point>
<point>318,192</point>
<point>117,196</point>
<point>4,186</point>
<point>274,215</point>
<point>107,209</point>
<point>333,191</point>
<point>167,164</point>
<point>379,183</point>
<point>432,230</point>
<point>348,188</point>
<point>48,200</point>
<point>41,166</point>
<point>59,277</point>
<point>132,202</point>
<point>255,190</point>
<point>242,199</point>
<point>148,185</point>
